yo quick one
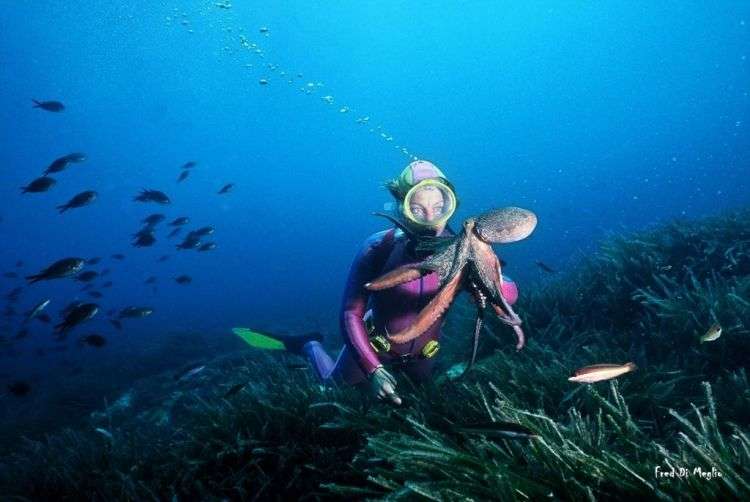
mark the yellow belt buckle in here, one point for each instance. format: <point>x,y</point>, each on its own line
<point>380,343</point>
<point>430,349</point>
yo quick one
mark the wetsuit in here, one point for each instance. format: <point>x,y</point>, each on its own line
<point>393,310</point>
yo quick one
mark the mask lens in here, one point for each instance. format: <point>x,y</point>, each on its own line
<point>429,203</point>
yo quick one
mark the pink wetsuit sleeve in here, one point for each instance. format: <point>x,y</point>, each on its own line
<point>363,270</point>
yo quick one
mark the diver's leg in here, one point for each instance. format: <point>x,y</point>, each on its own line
<point>319,359</point>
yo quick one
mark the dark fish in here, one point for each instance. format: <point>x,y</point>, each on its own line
<point>234,389</point>
<point>153,219</point>
<point>105,271</point>
<point>107,284</point>
<point>61,268</point>
<point>93,261</point>
<point>182,220</point>
<point>145,240</point>
<point>50,106</point>
<point>508,430</point>
<point>86,287</point>
<point>117,324</point>
<point>545,267</point>
<point>19,263</point>
<point>75,157</point>
<point>135,312</point>
<point>184,279</point>
<point>39,185</point>
<point>297,366</point>
<point>207,230</point>
<point>69,307</point>
<point>118,256</point>
<point>19,388</point>
<point>10,275</point>
<point>151,280</point>
<point>183,176</point>
<point>87,276</point>
<point>190,242</point>
<point>163,258</point>
<point>77,315</point>
<point>147,230</point>
<point>22,333</point>
<point>95,294</point>
<point>174,232</point>
<point>189,164</point>
<point>57,165</point>
<point>208,246</point>
<point>14,293</point>
<point>226,188</point>
<point>94,340</point>
<point>152,196</point>
<point>43,317</point>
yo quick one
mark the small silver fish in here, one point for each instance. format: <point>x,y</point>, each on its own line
<point>599,372</point>
<point>509,430</point>
<point>105,433</point>
<point>190,373</point>
<point>37,309</point>
<point>712,334</point>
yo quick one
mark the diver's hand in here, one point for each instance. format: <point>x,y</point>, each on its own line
<point>520,338</point>
<point>384,385</point>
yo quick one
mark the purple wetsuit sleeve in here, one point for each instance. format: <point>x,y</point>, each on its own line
<point>364,269</point>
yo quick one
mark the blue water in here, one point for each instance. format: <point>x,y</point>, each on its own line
<point>600,118</point>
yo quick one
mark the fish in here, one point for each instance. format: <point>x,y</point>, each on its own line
<point>107,284</point>
<point>117,324</point>
<point>182,220</point>
<point>150,280</point>
<point>712,334</point>
<point>183,176</point>
<point>506,430</point>
<point>19,264</point>
<point>208,246</point>
<point>58,270</point>
<point>545,267</point>
<point>105,433</point>
<point>184,279</point>
<point>226,188</point>
<point>207,230</point>
<point>95,294</point>
<point>94,340</point>
<point>10,275</point>
<point>192,371</point>
<point>189,242</point>
<point>118,256</point>
<point>57,165</point>
<point>50,106</point>
<point>148,195</point>
<point>163,258</point>
<point>78,314</point>
<point>19,388</point>
<point>93,261</point>
<point>105,271</point>
<point>87,276</point>
<point>189,164</point>
<point>37,309</point>
<point>144,239</point>
<point>82,199</point>
<point>75,157</point>
<point>234,389</point>
<point>153,219</point>
<point>135,312</point>
<point>297,366</point>
<point>599,372</point>
<point>41,184</point>
<point>174,232</point>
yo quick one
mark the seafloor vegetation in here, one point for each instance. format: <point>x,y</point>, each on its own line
<point>645,298</point>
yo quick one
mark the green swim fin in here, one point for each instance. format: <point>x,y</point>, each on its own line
<point>259,340</point>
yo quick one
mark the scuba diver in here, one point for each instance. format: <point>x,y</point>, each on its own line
<point>426,201</point>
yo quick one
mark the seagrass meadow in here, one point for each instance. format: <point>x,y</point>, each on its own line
<point>645,297</point>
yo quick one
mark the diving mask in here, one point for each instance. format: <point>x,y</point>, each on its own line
<point>429,203</point>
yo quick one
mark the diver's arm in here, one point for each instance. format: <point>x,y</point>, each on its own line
<point>355,303</point>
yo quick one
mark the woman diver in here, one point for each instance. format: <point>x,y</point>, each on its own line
<point>426,201</point>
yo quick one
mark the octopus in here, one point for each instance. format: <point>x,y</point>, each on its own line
<point>463,262</point>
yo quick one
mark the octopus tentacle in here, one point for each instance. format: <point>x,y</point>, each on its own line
<point>398,275</point>
<point>427,317</point>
